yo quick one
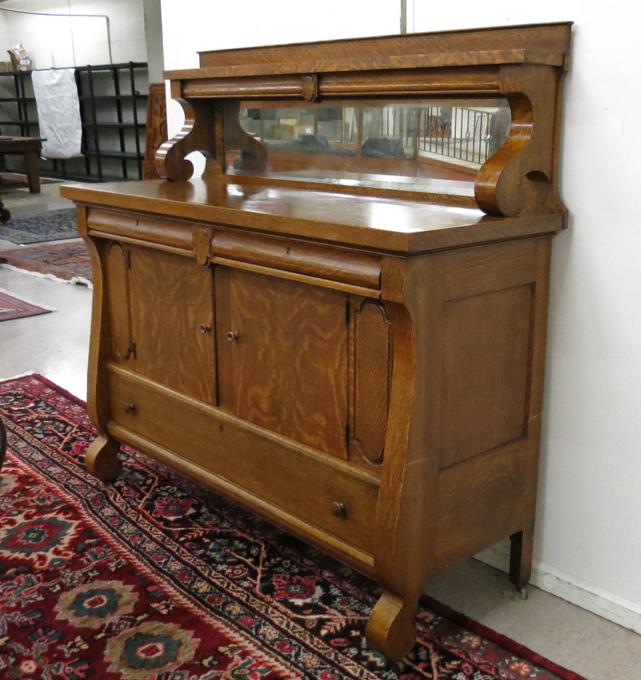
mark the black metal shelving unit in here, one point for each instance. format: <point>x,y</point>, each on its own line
<point>113,103</point>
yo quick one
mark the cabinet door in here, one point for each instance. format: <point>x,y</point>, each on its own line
<point>282,355</point>
<point>171,303</point>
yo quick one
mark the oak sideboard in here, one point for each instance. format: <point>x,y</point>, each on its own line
<point>342,324</point>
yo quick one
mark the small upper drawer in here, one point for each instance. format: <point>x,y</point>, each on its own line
<point>349,267</point>
<point>149,230</point>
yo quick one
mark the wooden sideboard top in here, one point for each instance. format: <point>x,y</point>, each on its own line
<point>373,223</point>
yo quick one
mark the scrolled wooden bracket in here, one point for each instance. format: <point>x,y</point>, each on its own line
<point>198,134</point>
<point>520,178</point>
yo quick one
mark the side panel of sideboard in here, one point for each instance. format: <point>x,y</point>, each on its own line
<point>494,326</point>
<point>461,451</point>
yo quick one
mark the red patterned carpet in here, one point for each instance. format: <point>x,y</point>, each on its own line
<point>153,577</point>
<point>68,261</point>
<point>14,308</point>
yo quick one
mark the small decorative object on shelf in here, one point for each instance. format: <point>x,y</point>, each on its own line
<point>342,324</point>
<point>20,60</point>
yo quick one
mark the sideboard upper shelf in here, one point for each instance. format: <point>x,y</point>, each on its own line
<point>412,116</point>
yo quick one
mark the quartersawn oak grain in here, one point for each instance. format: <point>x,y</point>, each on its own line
<point>364,370</point>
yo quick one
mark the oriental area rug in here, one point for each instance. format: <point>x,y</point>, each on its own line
<point>153,577</point>
<point>50,226</point>
<point>64,261</point>
<point>12,307</point>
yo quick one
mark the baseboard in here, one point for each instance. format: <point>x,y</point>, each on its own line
<point>583,594</point>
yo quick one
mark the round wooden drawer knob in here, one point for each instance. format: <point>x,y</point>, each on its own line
<point>339,509</point>
<point>232,336</point>
<point>205,328</point>
<point>130,407</point>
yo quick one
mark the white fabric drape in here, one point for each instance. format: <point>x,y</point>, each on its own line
<point>58,112</point>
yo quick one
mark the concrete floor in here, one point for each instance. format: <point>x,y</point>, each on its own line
<point>56,345</point>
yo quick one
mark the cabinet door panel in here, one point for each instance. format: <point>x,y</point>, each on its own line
<point>284,364</point>
<point>116,264</point>
<point>171,298</point>
<point>371,366</point>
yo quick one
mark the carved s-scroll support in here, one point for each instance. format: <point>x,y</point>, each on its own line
<point>520,178</point>
<point>199,133</point>
<point>405,518</point>
<point>213,128</point>
<point>102,457</point>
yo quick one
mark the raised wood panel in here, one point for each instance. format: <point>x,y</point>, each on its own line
<point>298,482</point>
<point>172,303</point>
<point>119,301</point>
<point>370,381</point>
<point>486,371</point>
<point>471,271</point>
<point>481,501</point>
<point>285,364</point>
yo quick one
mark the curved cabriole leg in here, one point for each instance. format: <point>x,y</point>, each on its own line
<point>102,458</point>
<point>390,628</point>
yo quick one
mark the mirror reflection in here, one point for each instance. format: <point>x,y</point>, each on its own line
<point>378,144</point>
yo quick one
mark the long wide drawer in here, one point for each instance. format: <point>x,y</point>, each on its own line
<point>270,470</point>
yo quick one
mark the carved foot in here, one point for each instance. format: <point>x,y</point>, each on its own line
<point>102,459</point>
<point>390,628</point>
<point>521,559</point>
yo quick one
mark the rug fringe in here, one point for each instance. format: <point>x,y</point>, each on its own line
<point>78,280</point>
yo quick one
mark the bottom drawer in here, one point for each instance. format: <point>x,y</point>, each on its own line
<point>263,467</point>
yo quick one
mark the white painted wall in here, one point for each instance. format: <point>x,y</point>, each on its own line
<point>63,41</point>
<point>588,527</point>
<point>153,39</point>
<point>4,37</point>
<point>588,524</point>
<point>195,25</point>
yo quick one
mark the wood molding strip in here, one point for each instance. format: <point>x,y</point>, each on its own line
<point>480,80</point>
